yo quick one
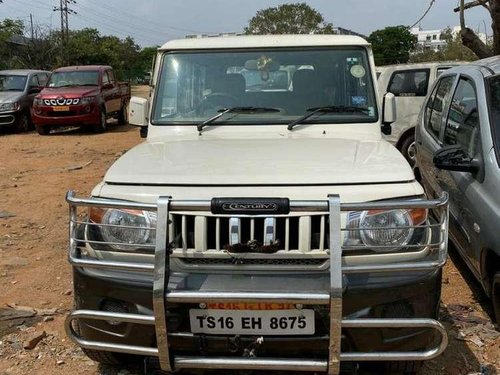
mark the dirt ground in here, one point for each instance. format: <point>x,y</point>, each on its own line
<point>35,278</point>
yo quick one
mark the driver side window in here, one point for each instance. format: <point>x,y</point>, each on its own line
<point>105,78</point>
<point>462,124</point>
<point>436,105</point>
<point>34,81</point>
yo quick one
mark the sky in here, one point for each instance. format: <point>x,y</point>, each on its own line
<point>153,22</point>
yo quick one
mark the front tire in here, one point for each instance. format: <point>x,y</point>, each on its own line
<point>43,130</point>
<point>123,114</point>
<point>495,296</point>
<point>22,123</point>
<point>102,125</point>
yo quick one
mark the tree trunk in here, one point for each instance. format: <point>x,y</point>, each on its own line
<point>476,45</point>
<point>469,37</point>
<point>495,25</point>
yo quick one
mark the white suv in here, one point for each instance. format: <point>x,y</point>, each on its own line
<point>264,223</point>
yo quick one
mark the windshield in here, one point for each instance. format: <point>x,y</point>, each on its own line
<point>76,78</point>
<point>196,86</point>
<point>12,82</point>
<point>494,104</point>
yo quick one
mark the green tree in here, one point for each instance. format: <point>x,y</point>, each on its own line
<point>297,18</point>
<point>392,45</point>
<point>146,57</point>
<point>9,53</point>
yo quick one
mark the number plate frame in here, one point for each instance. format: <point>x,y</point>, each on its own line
<point>63,108</point>
<point>246,322</point>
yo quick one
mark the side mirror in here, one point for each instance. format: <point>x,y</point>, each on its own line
<point>389,113</point>
<point>454,158</point>
<point>107,86</point>
<point>138,111</point>
<point>34,90</point>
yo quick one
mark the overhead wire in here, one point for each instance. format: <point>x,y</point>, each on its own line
<point>425,14</point>
<point>151,22</point>
<point>104,26</point>
<point>117,24</point>
<point>143,34</point>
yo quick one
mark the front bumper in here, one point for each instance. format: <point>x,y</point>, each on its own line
<point>411,296</point>
<point>373,312</point>
<point>75,116</point>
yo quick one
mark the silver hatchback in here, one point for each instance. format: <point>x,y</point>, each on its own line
<point>458,150</point>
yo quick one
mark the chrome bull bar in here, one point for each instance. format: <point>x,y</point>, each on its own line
<point>161,296</point>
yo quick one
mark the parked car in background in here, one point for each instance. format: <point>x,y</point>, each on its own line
<point>17,90</point>
<point>410,84</point>
<point>458,150</point>
<point>82,96</point>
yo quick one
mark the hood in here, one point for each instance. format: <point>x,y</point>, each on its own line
<point>68,92</point>
<point>283,161</point>
<point>10,96</point>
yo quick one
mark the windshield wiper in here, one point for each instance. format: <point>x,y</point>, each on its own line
<point>327,109</point>
<point>223,111</point>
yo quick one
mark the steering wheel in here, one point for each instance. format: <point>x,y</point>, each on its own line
<point>218,99</point>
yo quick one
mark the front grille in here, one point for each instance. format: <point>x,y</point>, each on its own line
<point>202,233</point>
<point>61,101</point>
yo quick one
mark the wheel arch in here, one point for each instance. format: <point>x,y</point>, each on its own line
<point>490,264</point>
<point>405,135</point>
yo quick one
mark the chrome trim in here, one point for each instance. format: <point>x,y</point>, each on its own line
<point>195,296</point>
<point>235,363</point>
<point>333,297</point>
<point>11,119</point>
<point>269,231</point>
<point>104,315</point>
<point>181,362</point>
<point>295,206</point>
<point>397,323</point>
<point>160,281</point>
<point>234,231</point>
<point>335,285</point>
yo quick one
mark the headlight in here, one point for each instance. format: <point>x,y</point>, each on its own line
<point>88,99</point>
<point>37,102</point>
<point>385,230</point>
<point>9,107</point>
<point>130,227</point>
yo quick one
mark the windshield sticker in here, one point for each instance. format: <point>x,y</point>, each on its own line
<point>358,71</point>
<point>358,100</point>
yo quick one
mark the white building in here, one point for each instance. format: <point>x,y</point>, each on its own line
<point>428,39</point>
<point>431,39</point>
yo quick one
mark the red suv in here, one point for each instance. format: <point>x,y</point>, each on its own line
<point>82,96</point>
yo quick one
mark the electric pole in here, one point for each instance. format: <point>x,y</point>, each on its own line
<point>65,10</point>
<point>31,23</point>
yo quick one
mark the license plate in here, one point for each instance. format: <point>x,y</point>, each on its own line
<point>252,322</point>
<point>61,108</point>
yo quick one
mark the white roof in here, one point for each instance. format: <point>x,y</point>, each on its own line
<point>256,41</point>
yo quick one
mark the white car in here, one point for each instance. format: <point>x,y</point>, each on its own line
<point>410,84</point>
<point>264,224</point>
